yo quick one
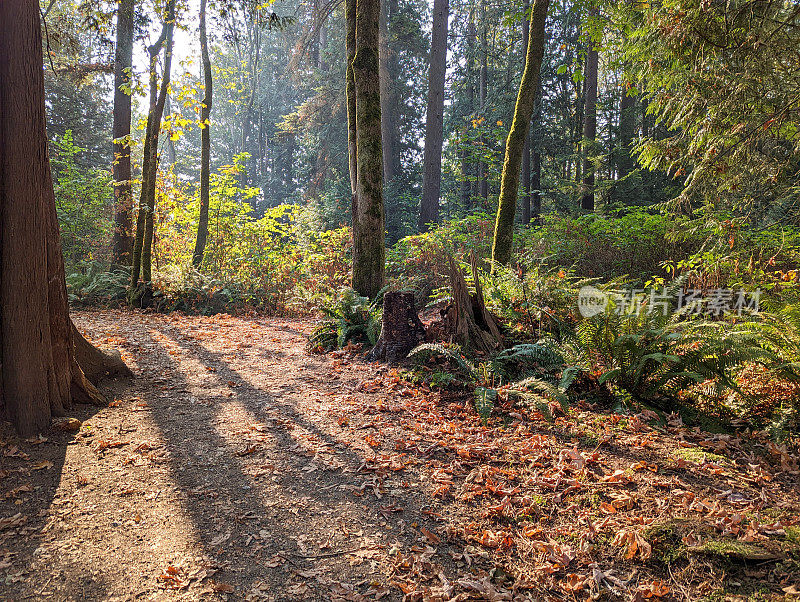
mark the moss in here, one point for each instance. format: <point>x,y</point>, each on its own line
<point>698,454</point>
<point>538,500</point>
<point>731,548</point>
<point>666,540</point>
<point>793,535</point>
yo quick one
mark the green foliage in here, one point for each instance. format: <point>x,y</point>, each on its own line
<point>82,203</point>
<point>279,263</point>
<point>533,373</point>
<point>421,262</point>
<point>734,252</point>
<point>351,318</point>
<point>539,300</point>
<point>717,78</point>
<point>427,351</point>
<point>653,357</point>
<point>522,360</point>
<point>630,243</point>
<point>484,399</point>
<point>91,283</point>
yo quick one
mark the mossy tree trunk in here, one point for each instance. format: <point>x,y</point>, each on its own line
<point>368,215</point>
<point>142,249</point>
<point>523,110</point>
<point>205,143</point>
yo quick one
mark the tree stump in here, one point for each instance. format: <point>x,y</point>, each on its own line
<point>467,320</point>
<point>401,328</point>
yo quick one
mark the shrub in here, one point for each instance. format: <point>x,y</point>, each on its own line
<point>606,247</point>
<point>350,318</point>
<point>82,196</point>
<point>91,283</point>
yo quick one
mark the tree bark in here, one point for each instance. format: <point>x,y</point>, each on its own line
<point>401,328</point>
<point>526,149</point>
<point>536,185</point>
<point>368,219</point>
<point>350,42</point>
<point>523,110</point>
<point>388,99</point>
<point>142,249</point>
<point>39,374</point>
<point>467,320</point>
<point>627,126</point>
<point>483,175</point>
<point>589,129</point>
<point>123,193</point>
<point>467,164</point>
<point>434,123</point>
<point>205,143</point>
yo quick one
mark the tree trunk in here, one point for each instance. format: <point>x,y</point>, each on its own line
<point>536,185</point>
<point>123,193</point>
<point>523,110</point>
<point>388,110</point>
<point>142,249</point>
<point>434,124</point>
<point>467,320</point>
<point>39,374</point>
<point>368,219</point>
<point>350,18</point>
<point>627,125</point>
<point>526,149</point>
<point>483,175</point>
<point>95,362</point>
<point>205,143</point>
<point>401,328</point>
<point>589,129</point>
<point>467,163</point>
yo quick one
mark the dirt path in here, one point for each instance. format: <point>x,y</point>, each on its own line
<point>238,466</point>
<point>221,468</point>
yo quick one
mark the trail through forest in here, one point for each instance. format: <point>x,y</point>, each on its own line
<point>238,465</point>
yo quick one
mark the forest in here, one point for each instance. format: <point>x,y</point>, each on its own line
<point>419,300</point>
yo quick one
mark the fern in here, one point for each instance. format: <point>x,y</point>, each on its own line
<point>653,357</point>
<point>426,351</point>
<point>350,317</point>
<point>484,399</point>
<point>93,283</point>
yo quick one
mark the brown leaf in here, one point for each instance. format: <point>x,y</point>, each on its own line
<point>430,535</point>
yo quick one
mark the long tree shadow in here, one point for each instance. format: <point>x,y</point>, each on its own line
<point>31,472</point>
<point>263,505</point>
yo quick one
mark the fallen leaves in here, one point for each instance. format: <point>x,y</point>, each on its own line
<point>105,444</point>
<point>173,578</point>
<point>632,544</point>
<point>67,424</point>
<point>656,589</point>
<point>13,521</point>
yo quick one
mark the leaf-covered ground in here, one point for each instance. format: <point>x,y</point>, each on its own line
<point>237,465</point>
